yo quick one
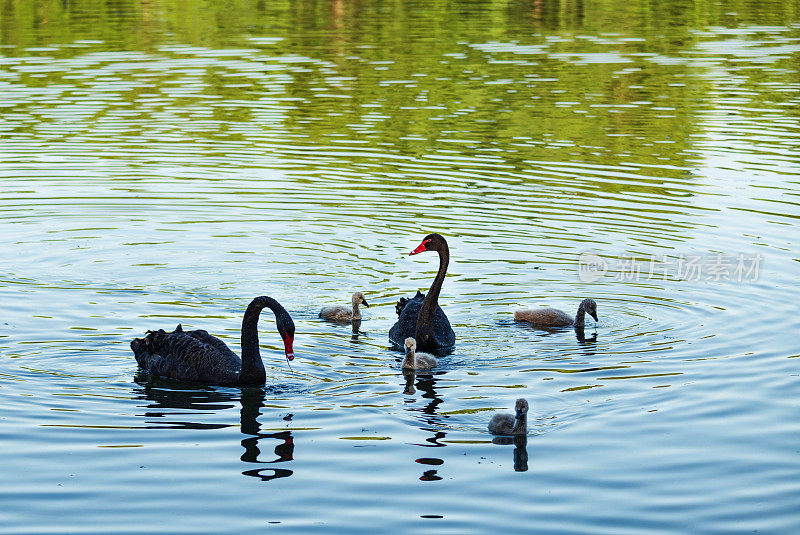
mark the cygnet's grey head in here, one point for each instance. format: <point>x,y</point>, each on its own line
<point>358,299</point>
<point>410,345</point>
<point>590,307</point>
<point>521,406</point>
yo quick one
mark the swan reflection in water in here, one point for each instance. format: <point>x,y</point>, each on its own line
<point>581,336</point>
<point>173,405</point>
<point>425,382</point>
<point>520,450</point>
<point>171,401</point>
<point>580,332</point>
<point>252,402</point>
<point>356,331</point>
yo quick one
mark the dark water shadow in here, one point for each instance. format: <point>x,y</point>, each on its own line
<point>425,382</point>
<point>340,323</point>
<point>580,335</point>
<point>252,402</point>
<point>520,450</point>
<point>356,326</point>
<point>541,330</point>
<point>167,398</point>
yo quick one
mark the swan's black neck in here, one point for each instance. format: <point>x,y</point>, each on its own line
<point>252,366</point>
<point>431,301</point>
<point>580,317</point>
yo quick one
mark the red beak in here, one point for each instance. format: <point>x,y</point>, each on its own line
<point>420,248</point>
<point>287,343</point>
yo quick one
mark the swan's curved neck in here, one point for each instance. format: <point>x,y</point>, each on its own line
<point>580,317</point>
<point>356,311</point>
<point>252,366</point>
<point>429,304</point>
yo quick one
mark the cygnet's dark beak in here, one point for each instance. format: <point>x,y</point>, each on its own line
<point>364,302</point>
<point>594,315</point>
<point>519,414</point>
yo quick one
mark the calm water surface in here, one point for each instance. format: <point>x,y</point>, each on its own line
<point>165,162</point>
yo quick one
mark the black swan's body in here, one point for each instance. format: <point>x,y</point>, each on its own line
<point>421,317</point>
<point>199,357</point>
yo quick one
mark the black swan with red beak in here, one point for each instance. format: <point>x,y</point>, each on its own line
<point>197,356</point>
<point>421,317</point>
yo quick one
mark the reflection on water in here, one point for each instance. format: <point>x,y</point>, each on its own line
<point>520,443</point>
<point>423,383</point>
<point>580,332</point>
<point>252,401</point>
<point>581,336</point>
<point>173,160</point>
<point>409,376</point>
<point>170,399</point>
<point>356,326</point>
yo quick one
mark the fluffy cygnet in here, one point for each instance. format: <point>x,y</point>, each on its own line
<point>507,424</point>
<point>342,313</point>
<point>552,317</point>
<point>414,360</point>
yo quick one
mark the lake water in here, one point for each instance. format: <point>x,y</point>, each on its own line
<point>165,162</point>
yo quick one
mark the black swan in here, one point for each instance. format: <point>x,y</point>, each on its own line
<point>342,313</point>
<point>507,424</point>
<point>552,317</point>
<point>199,357</point>
<point>414,360</point>
<point>421,317</point>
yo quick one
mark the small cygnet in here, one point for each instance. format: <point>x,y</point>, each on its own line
<point>552,317</point>
<point>416,361</point>
<point>507,424</point>
<point>342,313</point>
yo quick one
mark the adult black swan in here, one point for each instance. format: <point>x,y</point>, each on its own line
<point>199,357</point>
<point>421,317</point>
